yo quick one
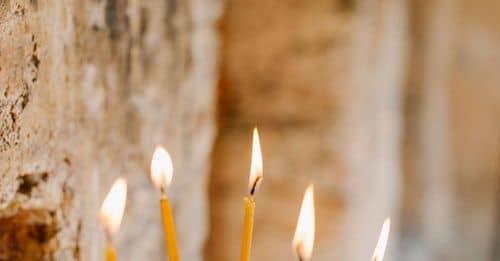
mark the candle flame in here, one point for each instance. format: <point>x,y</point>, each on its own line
<point>256,165</point>
<point>161,168</point>
<point>378,254</point>
<point>113,206</point>
<point>303,241</point>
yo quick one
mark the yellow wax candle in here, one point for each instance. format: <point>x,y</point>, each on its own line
<point>253,182</point>
<point>169,229</point>
<point>246,240</point>
<point>161,172</point>
<point>110,253</point>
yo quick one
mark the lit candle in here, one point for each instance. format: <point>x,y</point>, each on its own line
<point>378,254</point>
<point>254,181</point>
<point>111,214</point>
<point>161,173</point>
<point>303,241</point>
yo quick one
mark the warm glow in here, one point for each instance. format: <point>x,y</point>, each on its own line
<point>256,167</point>
<point>303,240</point>
<point>113,206</point>
<point>161,168</point>
<point>378,254</point>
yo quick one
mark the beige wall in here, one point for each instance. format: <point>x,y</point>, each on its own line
<point>88,89</point>
<point>390,107</point>
<point>285,70</point>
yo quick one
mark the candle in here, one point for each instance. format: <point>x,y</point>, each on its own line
<point>161,173</point>
<point>303,241</point>
<point>111,214</point>
<point>378,254</point>
<point>253,183</point>
<point>110,253</point>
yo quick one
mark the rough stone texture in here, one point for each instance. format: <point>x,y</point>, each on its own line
<point>87,89</point>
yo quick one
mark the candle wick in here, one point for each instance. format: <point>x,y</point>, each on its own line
<point>163,192</point>
<point>108,236</point>
<point>297,250</point>
<point>254,186</point>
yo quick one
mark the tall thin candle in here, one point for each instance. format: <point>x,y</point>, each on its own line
<point>254,181</point>
<point>161,173</point>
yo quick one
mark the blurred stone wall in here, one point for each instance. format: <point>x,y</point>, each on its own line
<point>390,107</point>
<point>88,88</point>
<point>451,206</point>
<point>323,81</point>
<point>285,69</point>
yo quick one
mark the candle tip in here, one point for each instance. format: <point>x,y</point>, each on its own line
<point>113,207</point>
<point>256,173</point>
<point>378,254</point>
<point>303,241</point>
<point>161,168</point>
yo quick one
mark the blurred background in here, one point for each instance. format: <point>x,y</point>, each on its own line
<point>391,108</point>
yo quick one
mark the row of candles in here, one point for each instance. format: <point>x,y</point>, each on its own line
<point>113,207</point>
